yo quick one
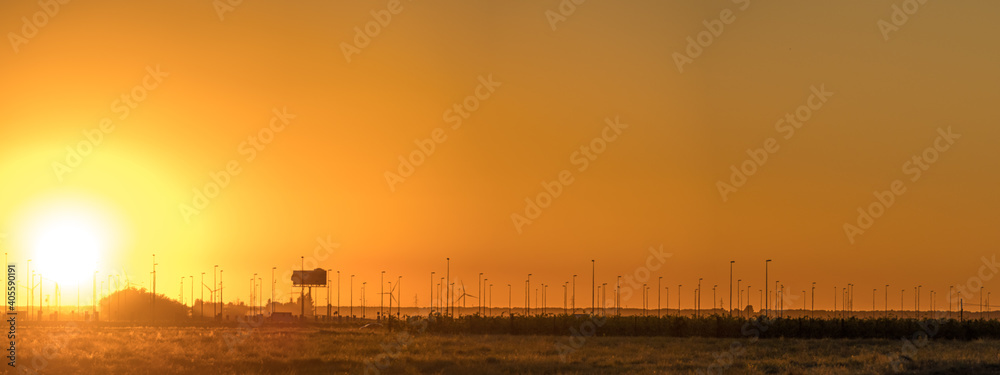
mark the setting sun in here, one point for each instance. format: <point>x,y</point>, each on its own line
<point>68,243</point>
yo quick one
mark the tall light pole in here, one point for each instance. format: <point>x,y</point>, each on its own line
<point>192,293</point>
<point>566,297</point>
<point>950,292</point>
<point>901,306</point>
<point>447,290</point>
<point>658,288</point>
<point>272,287</point>
<point>618,297</point>
<point>351,298</point>
<point>31,289</point>
<point>574,294</point>
<point>339,315</point>
<point>713,296</point>
<point>887,301</point>
<point>679,299</point>
<point>202,294</point>
<point>510,307</point>
<point>812,297</point>
<point>593,286</point>
<point>668,299</point>
<point>527,297</point>
<point>766,302</point>
<point>381,294</point>
<point>154,289</point>
<point>697,299</point>
<point>328,307</point>
<point>739,298</point>
<point>215,289</point>
<point>222,305</point>
<point>731,263</point>
<point>431,300</point>
<point>776,303</point>
<point>479,286</point>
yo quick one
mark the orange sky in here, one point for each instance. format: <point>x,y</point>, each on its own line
<point>324,173</point>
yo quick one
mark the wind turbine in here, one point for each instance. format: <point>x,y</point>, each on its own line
<point>464,294</point>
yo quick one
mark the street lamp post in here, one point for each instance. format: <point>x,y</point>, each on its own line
<point>573,304</point>
<point>215,288</point>
<point>766,302</point>
<point>731,287</point>
<point>658,288</point>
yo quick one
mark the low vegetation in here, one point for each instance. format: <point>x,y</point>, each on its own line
<point>68,348</point>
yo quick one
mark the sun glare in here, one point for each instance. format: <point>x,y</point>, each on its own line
<point>67,246</point>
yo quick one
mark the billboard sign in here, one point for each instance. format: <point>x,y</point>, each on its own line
<point>316,277</point>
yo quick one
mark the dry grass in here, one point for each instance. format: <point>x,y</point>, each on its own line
<point>215,350</point>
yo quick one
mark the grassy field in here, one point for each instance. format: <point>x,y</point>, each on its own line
<point>69,349</point>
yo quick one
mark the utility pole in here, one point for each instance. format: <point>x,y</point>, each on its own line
<point>202,294</point>
<point>351,297</point>
<point>431,300</point>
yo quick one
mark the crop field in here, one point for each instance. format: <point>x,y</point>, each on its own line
<point>80,349</point>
